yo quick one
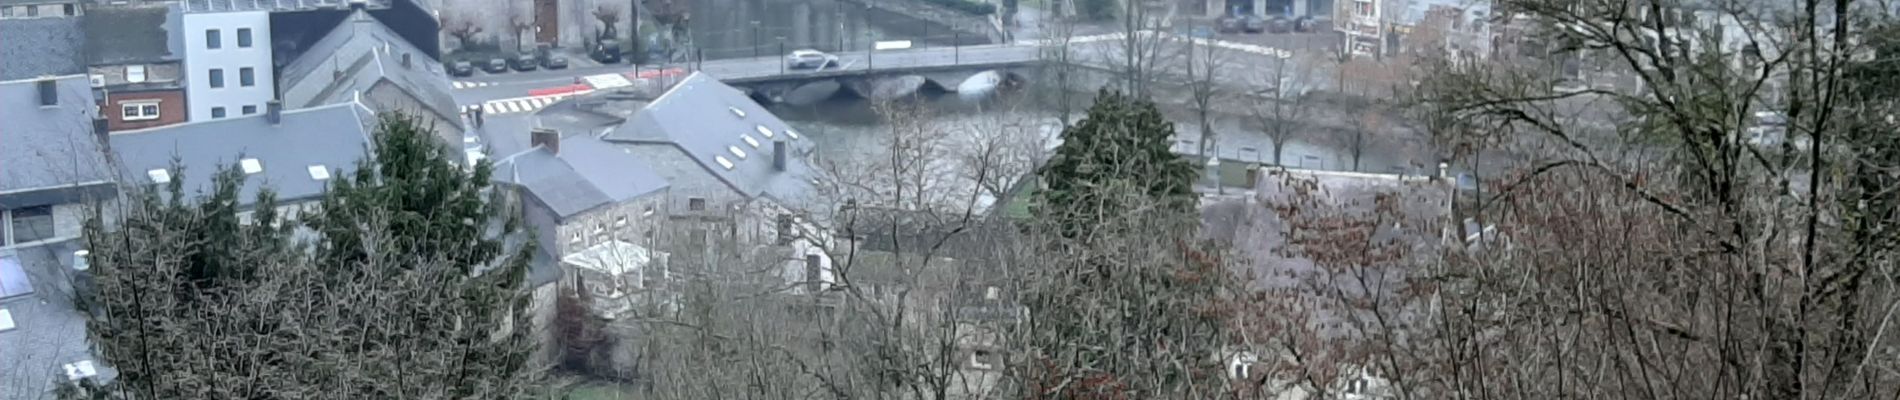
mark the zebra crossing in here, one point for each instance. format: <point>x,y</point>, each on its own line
<point>469,84</point>
<point>522,104</point>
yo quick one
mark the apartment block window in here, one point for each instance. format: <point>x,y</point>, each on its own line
<point>244,37</point>
<point>696,204</point>
<point>6,11</point>
<point>69,10</point>
<point>213,39</point>
<point>250,109</point>
<point>139,111</point>
<point>217,112</point>
<point>217,78</point>
<point>247,77</point>
<point>27,225</point>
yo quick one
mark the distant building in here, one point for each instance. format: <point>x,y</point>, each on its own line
<point>363,60</point>
<point>620,277</point>
<point>135,58</point>
<point>40,38</point>
<point>294,153</point>
<point>1361,24</point>
<point>227,60</point>
<point>52,168</point>
<point>734,169</point>
<point>52,161</point>
<point>579,192</point>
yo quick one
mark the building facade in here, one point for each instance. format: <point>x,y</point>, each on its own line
<point>227,63</point>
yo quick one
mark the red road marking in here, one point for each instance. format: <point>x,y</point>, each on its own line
<point>652,73</point>
<point>559,90</point>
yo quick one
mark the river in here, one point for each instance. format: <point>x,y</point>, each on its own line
<point>748,28</point>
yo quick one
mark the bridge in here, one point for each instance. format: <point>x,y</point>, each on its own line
<point>880,75</point>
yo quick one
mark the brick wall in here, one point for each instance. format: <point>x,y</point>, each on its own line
<point>171,109</point>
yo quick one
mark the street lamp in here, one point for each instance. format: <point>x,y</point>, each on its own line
<point>755,38</point>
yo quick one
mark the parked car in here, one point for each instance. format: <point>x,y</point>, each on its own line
<point>554,62</point>
<point>606,52</point>
<point>495,66</point>
<point>524,62</point>
<point>808,58</point>
<point>1229,24</point>
<point>1253,24</point>
<point>461,68</point>
<point>1280,24</point>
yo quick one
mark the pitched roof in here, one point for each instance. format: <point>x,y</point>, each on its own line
<point>43,148</point>
<point>37,47</point>
<point>133,34</point>
<point>332,137</point>
<point>48,331</point>
<point>585,174</point>
<point>367,53</point>
<point>727,134</point>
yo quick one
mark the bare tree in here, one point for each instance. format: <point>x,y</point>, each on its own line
<point>462,28</point>
<point>1207,87</point>
<point>609,17</point>
<point>1282,110</point>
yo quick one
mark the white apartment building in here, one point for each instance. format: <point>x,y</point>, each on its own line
<point>228,62</point>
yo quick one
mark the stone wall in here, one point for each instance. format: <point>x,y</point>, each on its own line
<point>983,25</point>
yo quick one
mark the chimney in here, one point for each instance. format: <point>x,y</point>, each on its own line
<point>405,60</point>
<point>102,128</point>
<point>549,138</point>
<point>1444,170</point>
<point>49,92</point>
<point>274,112</point>
<point>778,155</point>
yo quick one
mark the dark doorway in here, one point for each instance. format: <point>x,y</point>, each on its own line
<point>547,25</point>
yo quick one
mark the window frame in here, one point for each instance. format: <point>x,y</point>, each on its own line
<point>244,38</point>
<point>33,11</point>
<point>6,12</point>
<point>696,204</point>
<point>135,73</point>
<point>214,39</point>
<point>218,112</point>
<point>11,237</point>
<point>247,77</point>
<point>138,108</point>
<point>215,78</point>
<point>248,109</point>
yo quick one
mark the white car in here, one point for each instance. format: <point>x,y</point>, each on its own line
<point>809,58</point>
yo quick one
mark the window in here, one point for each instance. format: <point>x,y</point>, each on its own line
<point>6,12</point>
<point>247,77</point>
<point>696,204</point>
<point>217,78</point>
<point>785,232</point>
<point>139,111</point>
<point>213,40</point>
<point>980,359</point>
<point>135,73</point>
<point>32,11</point>
<point>217,112</point>
<point>621,221</point>
<point>69,10</point>
<point>812,264</point>
<point>244,37</point>
<point>31,224</point>
<point>250,109</point>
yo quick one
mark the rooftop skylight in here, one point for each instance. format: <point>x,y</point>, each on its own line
<point>749,140</point>
<point>765,131</point>
<point>159,175</point>
<point>319,172</point>
<point>81,370</point>
<point>6,320</point>
<point>251,166</point>
<point>792,133</point>
<point>723,162</point>
<point>736,152</point>
<point>736,112</point>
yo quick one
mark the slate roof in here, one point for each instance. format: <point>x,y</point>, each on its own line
<point>706,120</point>
<point>133,34</point>
<point>35,47</point>
<point>368,53</point>
<point>48,331</point>
<point>585,174</point>
<point>210,6</point>
<point>48,149</point>
<point>334,137</point>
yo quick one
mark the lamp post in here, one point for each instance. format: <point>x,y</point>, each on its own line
<point>755,38</point>
<point>870,52</point>
<point>781,52</point>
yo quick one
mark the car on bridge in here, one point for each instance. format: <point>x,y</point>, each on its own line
<point>809,58</point>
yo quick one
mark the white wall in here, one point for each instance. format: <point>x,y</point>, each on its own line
<point>199,61</point>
